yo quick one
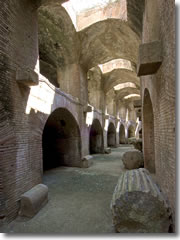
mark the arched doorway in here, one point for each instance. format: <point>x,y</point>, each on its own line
<point>96,137</point>
<point>111,135</point>
<point>140,133</point>
<point>148,136</point>
<point>131,132</point>
<point>122,139</point>
<point>61,140</point>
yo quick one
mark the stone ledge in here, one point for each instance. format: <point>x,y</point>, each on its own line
<point>33,200</point>
<point>87,109</point>
<point>86,161</point>
<point>107,150</point>
<point>106,117</point>
<point>137,104</point>
<point>150,58</point>
<point>27,77</point>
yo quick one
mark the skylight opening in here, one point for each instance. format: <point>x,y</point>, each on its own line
<point>124,85</point>
<point>116,64</point>
<point>84,5</point>
<point>131,95</point>
<point>87,12</point>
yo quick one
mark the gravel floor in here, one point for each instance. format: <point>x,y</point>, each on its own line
<point>79,199</point>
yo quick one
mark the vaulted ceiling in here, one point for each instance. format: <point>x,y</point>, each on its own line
<point>113,34</point>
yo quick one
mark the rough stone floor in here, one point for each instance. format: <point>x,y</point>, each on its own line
<point>79,198</point>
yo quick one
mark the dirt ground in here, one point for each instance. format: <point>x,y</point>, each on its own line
<point>79,199</point>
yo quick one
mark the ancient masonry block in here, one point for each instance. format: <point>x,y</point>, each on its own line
<point>27,77</point>
<point>138,144</point>
<point>150,58</point>
<point>107,150</point>
<point>87,109</point>
<point>33,200</point>
<point>106,116</point>
<point>137,104</point>
<point>138,205</point>
<point>86,161</point>
<point>133,159</point>
<point>139,114</point>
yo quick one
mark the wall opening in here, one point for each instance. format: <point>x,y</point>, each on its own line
<point>61,140</point>
<point>131,132</point>
<point>140,133</point>
<point>96,138</point>
<point>148,136</point>
<point>122,139</point>
<point>111,135</point>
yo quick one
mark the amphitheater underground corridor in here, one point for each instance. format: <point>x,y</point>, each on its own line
<point>79,198</point>
<point>87,116</point>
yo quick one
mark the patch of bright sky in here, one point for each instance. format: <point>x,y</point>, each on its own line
<point>131,95</point>
<point>75,7</point>
<point>124,85</point>
<point>115,64</point>
<point>82,5</point>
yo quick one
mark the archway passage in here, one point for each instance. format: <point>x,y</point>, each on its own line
<point>111,135</point>
<point>96,137</point>
<point>131,132</point>
<point>140,133</point>
<point>148,136</point>
<point>61,140</point>
<point>122,139</point>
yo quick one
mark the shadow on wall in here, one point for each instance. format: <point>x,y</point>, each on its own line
<point>111,135</point>
<point>148,136</point>
<point>96,144</point>
<point>122,139</point>
<point>61,140</point>
<point>131,132</point>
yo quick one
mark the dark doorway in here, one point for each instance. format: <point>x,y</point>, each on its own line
<point>131,132</point>
<point>61,140</point>
<point>96,137</point>
<point>148,136</point>
<point>122,139</point>
<point>111,135</point>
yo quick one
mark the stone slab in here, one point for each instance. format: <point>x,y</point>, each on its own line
<point>150,58</point>
<point>33,200</point>
<point>138,205</point>
<point>86,161</point>
<point>27,77</point>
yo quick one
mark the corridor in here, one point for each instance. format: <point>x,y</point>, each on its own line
<point>79,198</point>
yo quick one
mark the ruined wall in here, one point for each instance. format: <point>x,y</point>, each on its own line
<point>132,112</point>
<point>95,92</point>
<point>59,49</point>
<point>110,121</point>
<point>25,109</point>
<point>19,50</point>
<point>159,24</point>
<point>122,111</point>
<point>110,102</point>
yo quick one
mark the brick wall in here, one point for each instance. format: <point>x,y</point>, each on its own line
<point>18,49</point>
<point>159,24</point>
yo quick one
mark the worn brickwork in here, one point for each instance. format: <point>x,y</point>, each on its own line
<point>159,24</point>
<point>25,110</point>
<point>19,49</point>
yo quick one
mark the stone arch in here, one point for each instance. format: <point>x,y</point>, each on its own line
<point>61,141</point>
<point>122,138</point>
<point>111,135</point>
<point>131,131</point>
<point>96,144</point>
<point>148,133</point>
